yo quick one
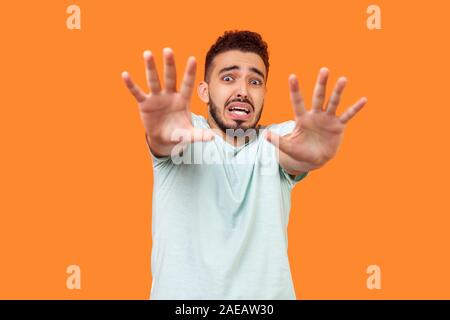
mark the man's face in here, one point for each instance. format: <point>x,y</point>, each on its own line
<point>236,90</point>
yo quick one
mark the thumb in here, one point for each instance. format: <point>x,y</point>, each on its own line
<point>278,141</point>
<point>202,135</point>
<point>189,135</point>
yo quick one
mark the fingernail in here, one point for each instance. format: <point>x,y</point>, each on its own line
<point>147,53</point>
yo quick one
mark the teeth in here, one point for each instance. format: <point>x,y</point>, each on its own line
<point>236,109</point>
<point>239,112</point>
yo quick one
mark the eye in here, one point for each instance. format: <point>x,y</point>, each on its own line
<point>225,77</point>
<point>256,82</point>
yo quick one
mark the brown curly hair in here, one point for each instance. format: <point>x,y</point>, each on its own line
<point>245,41</point>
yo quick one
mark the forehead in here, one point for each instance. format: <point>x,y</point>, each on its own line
<point>244,60</point>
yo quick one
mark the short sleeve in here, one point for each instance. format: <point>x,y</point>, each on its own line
<point>159,162</point>
<point>283,129</point>
<point>291,179</point>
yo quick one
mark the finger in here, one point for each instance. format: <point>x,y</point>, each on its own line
<point>320,90</point>
<point>170,73</point>
<point>201,135</point>
<point>296,97</point>
<point>278,141</point>
<point>336,96</point>
<point>350,112</point>
<point>134,89</point>
<point>151,72</point>
<point>187,86</point>
<point>188,135</point>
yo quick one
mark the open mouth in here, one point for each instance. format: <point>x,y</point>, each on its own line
<point>239,110</point>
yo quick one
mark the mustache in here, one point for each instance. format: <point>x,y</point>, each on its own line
<point>240,100</point>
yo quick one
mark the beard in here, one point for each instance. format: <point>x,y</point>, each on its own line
<point>216,114</point>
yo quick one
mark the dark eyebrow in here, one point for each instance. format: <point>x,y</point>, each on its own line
<point>235,67</point>
<point>256,70</point>
<point>229,68</point>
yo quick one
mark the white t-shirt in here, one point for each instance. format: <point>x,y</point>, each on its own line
<point>219,221</point>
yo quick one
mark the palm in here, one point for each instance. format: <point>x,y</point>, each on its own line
<point>316,136</point>
<point>318,132</point>
<point>167,111</point>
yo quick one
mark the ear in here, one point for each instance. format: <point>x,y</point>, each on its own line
<point>203,91</point>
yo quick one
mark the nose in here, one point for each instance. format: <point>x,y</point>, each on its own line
<point>243,92</point>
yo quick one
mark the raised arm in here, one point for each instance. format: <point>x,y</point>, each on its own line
<point>318,132</point>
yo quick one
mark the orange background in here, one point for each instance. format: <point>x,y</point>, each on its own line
<point>76,177</point>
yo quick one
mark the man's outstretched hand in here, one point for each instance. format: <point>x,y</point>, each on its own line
<point>165,111</point>
<point>318,132</point>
